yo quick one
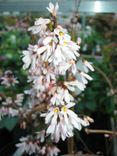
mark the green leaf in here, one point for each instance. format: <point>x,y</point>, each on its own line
<point>8,123</point>
<point>87,105</point>
<point>91,105</point>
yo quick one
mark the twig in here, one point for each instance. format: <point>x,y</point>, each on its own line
<point>39,108</point>
<point>106,78</point>
<point>89,131</point>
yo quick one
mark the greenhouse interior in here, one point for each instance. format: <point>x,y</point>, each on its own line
<point>58,78</point>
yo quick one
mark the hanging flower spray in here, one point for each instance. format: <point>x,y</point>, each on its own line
<point>56,73</point>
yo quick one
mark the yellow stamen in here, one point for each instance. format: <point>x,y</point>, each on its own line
<point>51,43</point>
<point>64,108</point>
<point>56,110</point>
<point>65,43</point>
<point>61,33</point>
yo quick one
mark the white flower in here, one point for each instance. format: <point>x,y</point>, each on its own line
<point>41,135</point>
<point>8,101</point>
<point>40,26</point>
<point>49,150</point>
<point>61,96</point>
<point>12,112</point>
<point>54,55</point>
<point>66,49</point>
<point>19,99</point>
<point>8,79</point>
<point>48,47</point>
<point>28,146</point>
<point>3,112</point>
<point>57,47</point>
<point>26,59</point>
<point>57,99</point>
<point>85,77</point>
<point>40,83</point>
<point>30,57</point>
<point>52,151</point>
<point>73,67</point>
<point>43,150</point>
<point>88,120</point>
<point>62,121</point>
<point>62,33</point>
<point>43,68</point>
<point>8,108</point>
<point>53,9</point>
<point>88,65</point>
<point>84,66</point>
<point>8,111</point>
<point>73,85</point>
<point>62,68</point>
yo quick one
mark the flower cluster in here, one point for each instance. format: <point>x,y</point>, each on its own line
<point>56,71</point>
<point>11,104</point>
<point>35,145</point>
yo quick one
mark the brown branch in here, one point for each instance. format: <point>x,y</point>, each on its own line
<point>106,78</point>
<point>39,108</point>
<point>96,131</point>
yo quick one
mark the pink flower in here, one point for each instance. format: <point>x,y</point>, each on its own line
<point>8,79</point>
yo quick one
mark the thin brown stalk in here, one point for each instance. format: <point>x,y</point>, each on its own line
<point>96,131</point>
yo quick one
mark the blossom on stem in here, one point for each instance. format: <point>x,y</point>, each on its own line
<point>8,111</point>
<point>88,65</point>
<point>49,150</point>
<point>72,85</point>
<point>61,96</point>
<point>8,79</point>
<point>40,26</point>
<point>30,57</point>
<point>19,99</point>
<point>53,9</point>
<point>52,151</point>
<point>62,121</point>
<point>8,101</point>
<point>28,145</point>
<point>54,57</point>
<point>41,136</point>
<point>10,106</point>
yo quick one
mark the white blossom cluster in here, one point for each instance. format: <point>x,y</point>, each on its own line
<point>56,72</point>
<point>35,145</point>
<point>54,56</point>
<point>10,105</point>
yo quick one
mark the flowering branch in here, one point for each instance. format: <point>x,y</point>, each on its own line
<point>56,73</point>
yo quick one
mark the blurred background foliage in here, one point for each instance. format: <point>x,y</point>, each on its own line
<point>98,45</point>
